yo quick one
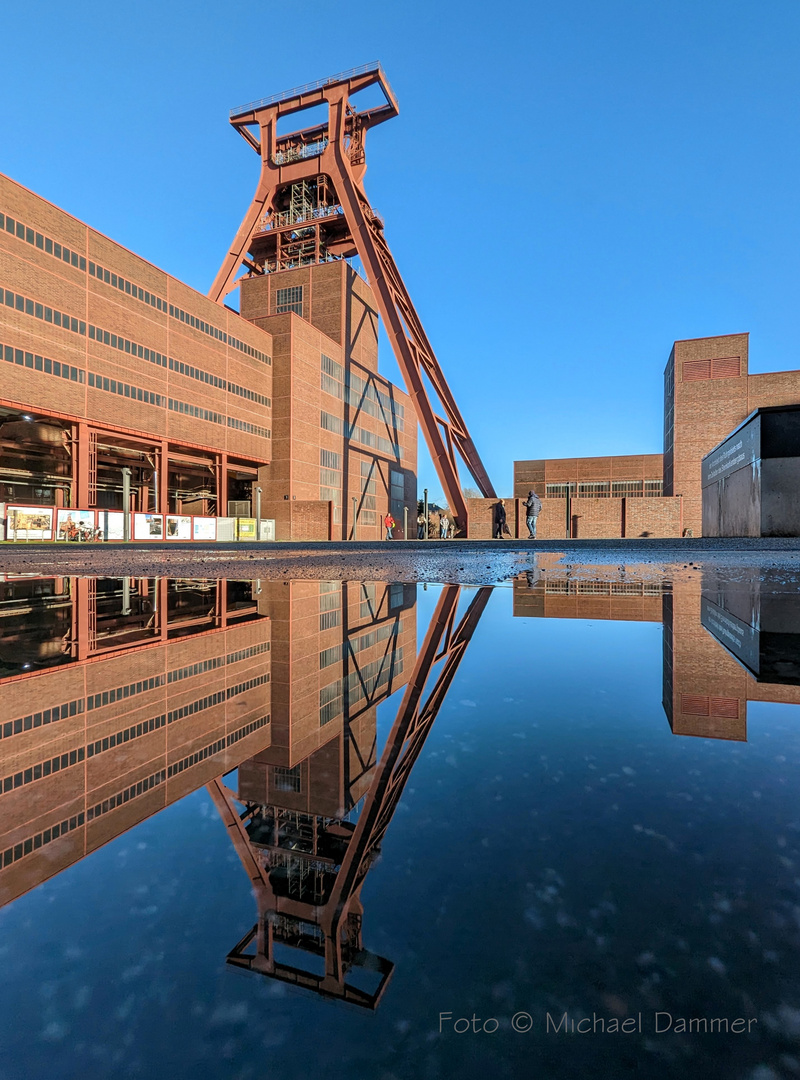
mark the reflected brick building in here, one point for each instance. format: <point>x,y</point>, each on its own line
<point>711,666</point>
<point>118,698</point>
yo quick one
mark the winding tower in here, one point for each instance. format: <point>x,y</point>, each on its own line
<point>310,207</point>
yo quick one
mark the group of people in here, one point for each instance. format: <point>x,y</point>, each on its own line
<point>446,527</point>
<point>533,507</point>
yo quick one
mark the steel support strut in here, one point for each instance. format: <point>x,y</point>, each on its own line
<point>341,159</point>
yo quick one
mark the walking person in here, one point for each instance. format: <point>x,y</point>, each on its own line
<point>444,526</point>
<point>500,525</point>
<point>389,522</point>
<point>533,507</point>
<point>421,527</point>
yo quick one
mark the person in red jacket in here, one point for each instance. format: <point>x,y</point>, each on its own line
<point>389,522</point>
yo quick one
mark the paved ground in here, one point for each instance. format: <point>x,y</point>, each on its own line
<point>467,561</point>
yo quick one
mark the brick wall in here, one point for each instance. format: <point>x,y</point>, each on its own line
<point>31,269</point>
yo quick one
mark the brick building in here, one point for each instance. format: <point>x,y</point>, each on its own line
<point>707,393</point>
<point>342,433</point>
<point>109,363</point>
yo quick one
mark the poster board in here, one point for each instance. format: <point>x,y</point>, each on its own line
<point>29,523</point>
<point>226,528</point>
<point>246,528</point>
<point>148,527</point>
<point>111,524</point>
<point>74,524</point>
<point>178,527</point>
<point>204,528</point>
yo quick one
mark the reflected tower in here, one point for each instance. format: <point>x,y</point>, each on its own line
<point>307,870</point>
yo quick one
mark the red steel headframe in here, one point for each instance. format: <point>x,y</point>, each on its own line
<point>335,150</point>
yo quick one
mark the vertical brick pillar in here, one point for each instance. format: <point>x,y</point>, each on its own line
<point>80,465</point>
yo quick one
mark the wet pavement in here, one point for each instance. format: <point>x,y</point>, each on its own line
<point>323,826</point>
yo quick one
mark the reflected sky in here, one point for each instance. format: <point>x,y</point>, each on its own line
<point>268,829</point>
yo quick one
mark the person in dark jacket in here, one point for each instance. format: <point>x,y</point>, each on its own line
<point>533,507</point>
<point>499,520</point>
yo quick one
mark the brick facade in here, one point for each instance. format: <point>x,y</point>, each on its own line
<point>326,368</point>
<point>707,393</point>
<point>134,368</point>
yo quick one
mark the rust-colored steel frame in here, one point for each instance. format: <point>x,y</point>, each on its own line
<point>341,158</point>
<point>444,644</point>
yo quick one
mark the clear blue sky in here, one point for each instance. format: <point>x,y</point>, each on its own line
<point>570,185</point>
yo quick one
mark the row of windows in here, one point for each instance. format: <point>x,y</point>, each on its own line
<point>329,422</point>
<point>605,488</point>
<point>116,341</point>
<point>250,395</point>
<point>329,619</point>
<point>119,737</point>
<point>195,669</point>
<point>196,373</point>
<point>367,405</point>
<point>115,386</point>
<point>377,442</point>
<point>368,517</point>
<point>41,311</point>
<point>38,719</point>
<point>50,246</point>
<point>330,477</point>
<point>356,645</point>
<point>330,459</point>
<point>44,243</point>
<point>216,746</point>
<point>243,654</point>
<point>210,700</point>
<point>329,601</point>
<point>195,410</point>
<point>330,367</point>
<point>331,494</point>
<point>371,392</point>
<point>240,688</point>
<point>358,685</point>
<point>44,768</point>
<point>604,588</point>
<point>38,840</point>
<point>219,335</point>
<point>193,707</point>
<point>331,386</point>
<point>126,795</point>
<point>108,697</point>
<point>42,363</point>
<point>252,429</point>
<point>121,283</point>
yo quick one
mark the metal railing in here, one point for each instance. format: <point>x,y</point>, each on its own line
<point>298,91</point>
<point>286,217</point>
<point>299,153</point>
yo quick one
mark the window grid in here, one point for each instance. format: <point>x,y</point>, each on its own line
<point>42,363</point>
<point>44,243</point>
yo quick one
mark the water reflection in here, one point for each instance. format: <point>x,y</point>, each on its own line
<point>726,641</point>
<point>608,865</point>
